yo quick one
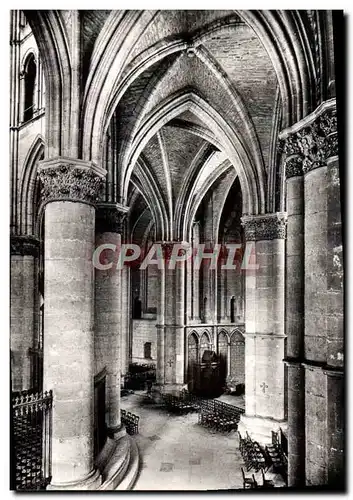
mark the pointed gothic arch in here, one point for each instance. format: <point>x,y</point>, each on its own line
<point>53,47</point>
<point>237,359</point>
<point>288,55</point>
<point>251,173</point>
<point>29,189</point>
<point>29,84</point>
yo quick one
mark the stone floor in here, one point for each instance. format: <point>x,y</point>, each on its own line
<point>178,454</point>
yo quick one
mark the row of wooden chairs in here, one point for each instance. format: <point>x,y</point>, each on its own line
<point>194,400</point>
<point>253,455</point>
<point>277,457</point>
<point>178,404</point>
<point>130,421</point>
<point>219,416</point>
<point>251,483</point>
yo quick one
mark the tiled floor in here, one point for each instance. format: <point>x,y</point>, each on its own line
<point>178,454</point>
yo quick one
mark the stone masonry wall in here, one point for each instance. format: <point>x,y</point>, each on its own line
<point>143,330</point>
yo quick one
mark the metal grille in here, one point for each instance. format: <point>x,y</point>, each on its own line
<point>31,433</point>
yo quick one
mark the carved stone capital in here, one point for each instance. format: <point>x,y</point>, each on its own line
<point>264,227</point>
<point>70,180</point>
<point>110,217</point>
<point>290,146</point>
<point>319,142</point>
<point>311,142</point>
<point>24,245</point>
<point>294,166</point>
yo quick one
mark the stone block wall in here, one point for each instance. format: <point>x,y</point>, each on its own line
<point>315,426</point>
<point>22,319</point>
<point>143,330</point>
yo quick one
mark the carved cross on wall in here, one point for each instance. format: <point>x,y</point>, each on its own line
<point>264,387</point>
<point>170,362</point>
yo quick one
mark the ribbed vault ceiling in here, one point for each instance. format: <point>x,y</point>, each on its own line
<point>226,65</point>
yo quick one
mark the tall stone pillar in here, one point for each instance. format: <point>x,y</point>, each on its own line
<point>24,309</point>
<point>171,333</point>
<point>70,190</point>
<point>335,330</point>
<point>195,273</point>
<point>160,368</point>
<point>264,325</point>
<point>323,298</point>
<point>294,321</point>
<point>314,143</point>
<point>126,319</point>
<point>335,428</point>
<point>108,309</point>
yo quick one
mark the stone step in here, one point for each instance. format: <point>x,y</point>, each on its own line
<point>131,474</point>
<point>115,462</point>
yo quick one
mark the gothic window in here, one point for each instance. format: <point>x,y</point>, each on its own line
<point>232,310</point>
<point>137,311</point>
<point>29,87</point>
<point>23,20</point>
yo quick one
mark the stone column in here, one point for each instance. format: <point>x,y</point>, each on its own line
<point>24,309</point>
<point>222,293</point>
<point>335,428</point>
<point>264,338</point>
<point>323,298</point>
<point>314,141</point>
<point>108,309</point>
<point>171,310</point>
<point>70,190</point>
<point>335,330</point>
<point>126,318</point>
<point>160,368</point>
<point>195,273</point>
<point>294,297</point>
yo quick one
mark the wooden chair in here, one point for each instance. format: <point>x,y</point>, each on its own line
<point>266,483</point>
<point>248,482</point>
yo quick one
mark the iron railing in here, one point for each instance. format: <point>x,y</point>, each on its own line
<point>31,440</point>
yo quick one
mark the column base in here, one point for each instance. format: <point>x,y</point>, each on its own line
<point>116,432</point>
<point>260,428</point>
<point>91,482</point>
<point>119,463</point>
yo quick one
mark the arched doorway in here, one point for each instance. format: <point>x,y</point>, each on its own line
<point>209,376</point>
